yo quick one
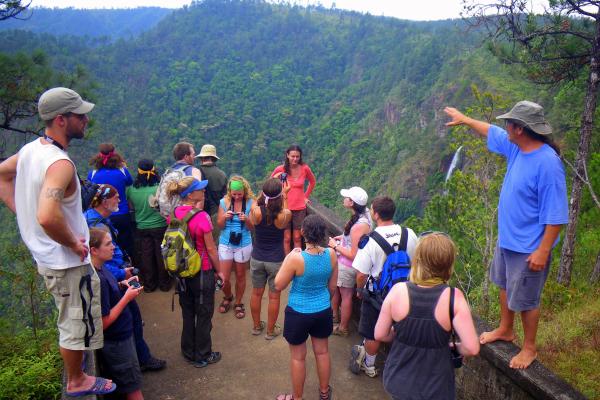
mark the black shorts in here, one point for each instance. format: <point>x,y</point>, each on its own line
<point>368,319</point>
<point>298,326</point>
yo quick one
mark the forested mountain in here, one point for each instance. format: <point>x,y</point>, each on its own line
<point>361,94</point>
<point>111,23</point>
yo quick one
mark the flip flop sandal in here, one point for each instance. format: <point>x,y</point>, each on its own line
<point>225,304</point>
<point>99,387</point>
<point>240,311</point>
<point>285,396</point>
<point>260,329</point>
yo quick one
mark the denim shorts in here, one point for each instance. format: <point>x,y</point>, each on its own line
<point>510,271</point>
<point>368,320</point>
<point>298,326</point>
<point>238,254</point>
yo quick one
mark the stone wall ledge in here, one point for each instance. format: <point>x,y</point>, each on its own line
<point>487,376</point>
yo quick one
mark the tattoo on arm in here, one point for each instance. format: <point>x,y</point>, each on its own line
<point>56,194</point>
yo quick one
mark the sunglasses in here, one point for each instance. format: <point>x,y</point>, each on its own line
<point>101,193</point>
<point>423,234</point>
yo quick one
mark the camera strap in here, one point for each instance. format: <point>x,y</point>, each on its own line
<point>452,332</point>
<point>231,208</point>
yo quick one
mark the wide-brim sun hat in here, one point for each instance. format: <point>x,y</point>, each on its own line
<point>356,194</point>
<point>530,115</point>
<point>208,150</point>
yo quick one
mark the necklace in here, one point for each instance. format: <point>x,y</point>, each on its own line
<point>54,142</point>
<point>318,248</point>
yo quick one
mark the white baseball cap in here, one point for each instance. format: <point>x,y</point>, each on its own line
<point>356,194</point>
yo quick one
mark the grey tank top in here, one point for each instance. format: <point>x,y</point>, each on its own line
<point>418,365</point>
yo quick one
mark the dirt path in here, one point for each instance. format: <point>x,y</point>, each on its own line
<point>251,368</point>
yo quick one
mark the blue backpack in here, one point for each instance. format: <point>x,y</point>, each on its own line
<point>396,267</point>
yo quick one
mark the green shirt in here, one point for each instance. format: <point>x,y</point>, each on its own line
<point>146,217</point>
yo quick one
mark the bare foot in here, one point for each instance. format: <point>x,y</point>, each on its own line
<point>84,384</point>
<point>523,359</point>
<point>497,334</point>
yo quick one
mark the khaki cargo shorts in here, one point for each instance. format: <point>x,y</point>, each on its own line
<point>76,292</point>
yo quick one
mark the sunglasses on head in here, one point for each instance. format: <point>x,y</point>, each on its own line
<point>102,192</point>
<point>423,234</point>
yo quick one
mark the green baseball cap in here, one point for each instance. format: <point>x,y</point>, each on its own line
<point>61,100</point>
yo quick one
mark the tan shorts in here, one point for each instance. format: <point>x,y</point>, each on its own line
<point>76,292</point>
<point>346,276</point>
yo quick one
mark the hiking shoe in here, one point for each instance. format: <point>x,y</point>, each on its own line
<point>371,371</point>
<point>276,332</point>
<point>340,332</point>
<point>357,356</point>
<point>260,329</point>
<point>213,358</point>
<point>153,364</point>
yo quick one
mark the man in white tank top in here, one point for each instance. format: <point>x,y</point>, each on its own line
<point>41,186</point>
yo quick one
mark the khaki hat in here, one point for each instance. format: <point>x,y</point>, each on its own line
<point>61,100</point>
<point>531,115</point>
<point>208,150</point>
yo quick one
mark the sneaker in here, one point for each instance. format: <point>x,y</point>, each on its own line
<point>357,356</point>
<point>340,332</point>
<point>371,371</point>
<point>153,364</point>
<point>213,358</point>
<point>260,329</point>
<point>276,332</point>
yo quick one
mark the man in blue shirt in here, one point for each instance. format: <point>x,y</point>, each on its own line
<point>531,211</point>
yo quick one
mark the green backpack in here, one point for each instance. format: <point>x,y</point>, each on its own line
<point>178,248</point>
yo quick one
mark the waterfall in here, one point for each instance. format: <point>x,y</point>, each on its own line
<point>453,165</point>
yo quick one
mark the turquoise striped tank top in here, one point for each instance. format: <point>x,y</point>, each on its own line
<point>309,292</point>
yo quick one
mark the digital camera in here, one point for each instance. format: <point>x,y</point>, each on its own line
<point>134,284</point>
<point>283,177</point>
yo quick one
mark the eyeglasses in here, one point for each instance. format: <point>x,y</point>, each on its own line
<point>426,233</point>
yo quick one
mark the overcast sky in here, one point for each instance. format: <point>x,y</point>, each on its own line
<point>405,9</point>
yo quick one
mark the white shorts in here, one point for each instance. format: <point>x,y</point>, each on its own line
<point>237,254</point>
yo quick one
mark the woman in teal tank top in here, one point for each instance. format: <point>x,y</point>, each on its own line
<point>313,274</point>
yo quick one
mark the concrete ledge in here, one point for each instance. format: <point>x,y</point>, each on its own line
<point>488,375</point>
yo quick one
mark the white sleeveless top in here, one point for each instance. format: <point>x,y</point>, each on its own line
<point>34,159</point>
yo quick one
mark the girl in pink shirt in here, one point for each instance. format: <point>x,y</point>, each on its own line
<point>295,172</point>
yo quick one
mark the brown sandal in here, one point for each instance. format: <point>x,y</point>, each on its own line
<point>225,304</point>
<point>240,311</point>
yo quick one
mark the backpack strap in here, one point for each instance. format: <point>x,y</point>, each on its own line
<point>385,246</point>
<point>190,214</point>
<point>403,239</point>
<point>452,333</point>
